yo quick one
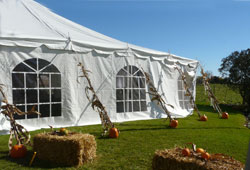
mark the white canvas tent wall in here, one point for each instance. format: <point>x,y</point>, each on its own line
<point>29,30</point>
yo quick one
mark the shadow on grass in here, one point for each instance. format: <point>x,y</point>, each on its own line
<point>24,162</point>
<point>232,109</point>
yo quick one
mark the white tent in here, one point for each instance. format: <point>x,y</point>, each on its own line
<point>39,53</point>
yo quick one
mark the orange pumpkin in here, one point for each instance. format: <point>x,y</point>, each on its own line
<point>64,131</point>
<point>200,150</point>
<point>113,133</point>
<point>225,115</point>
<point>203,118</point>
<point>205,155</point>
<point>174,123</point>
<point>18,151</point>
<point>185,152</point>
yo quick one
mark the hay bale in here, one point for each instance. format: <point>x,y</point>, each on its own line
<point>71,150</point>
<point>172,159</point>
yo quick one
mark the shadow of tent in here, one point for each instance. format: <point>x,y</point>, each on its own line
<point>24,162</point>
<point>208,108</point>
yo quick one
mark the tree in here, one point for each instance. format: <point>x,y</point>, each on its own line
<point>236,68</point>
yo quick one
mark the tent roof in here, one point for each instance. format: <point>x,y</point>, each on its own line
<point>28,23</point>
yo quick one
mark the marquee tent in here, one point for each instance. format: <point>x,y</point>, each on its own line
<point>39,53</point>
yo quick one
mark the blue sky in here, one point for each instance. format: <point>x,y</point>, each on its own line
<point>206,30</point>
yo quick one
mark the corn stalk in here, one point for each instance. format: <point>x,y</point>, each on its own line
<point>188,92</point>
<point>95,102</point>
<point>211,96</point>
<point>156,96</point>
<point>21,134</point>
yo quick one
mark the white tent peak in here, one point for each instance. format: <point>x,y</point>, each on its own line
<point>28,19</point>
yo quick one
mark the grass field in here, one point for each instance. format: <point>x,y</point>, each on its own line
<point>223,93</point>
<point>139,140</point>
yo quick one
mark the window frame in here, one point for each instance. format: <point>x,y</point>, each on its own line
<point>128,87</point>
<point>41,65</point>
<point>184,100</point>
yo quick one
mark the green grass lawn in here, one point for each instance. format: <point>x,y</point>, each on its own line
<point>138,140</point>
<point>222,92</point>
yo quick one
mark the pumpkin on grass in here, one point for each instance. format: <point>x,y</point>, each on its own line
<point>203,118</point>
<point>113,132</point>
<point>225,115</point>
<point>18,151</point>
<point>173,123</point>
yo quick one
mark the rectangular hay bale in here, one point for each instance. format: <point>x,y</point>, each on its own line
<point>71,150</point>
<point>172,159</point>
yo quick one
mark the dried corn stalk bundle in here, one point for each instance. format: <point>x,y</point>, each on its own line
<point>188,92</point>
<point>96,103</point>
<point>156,96</point>
<point>208,90</point>
<point>21,134</point>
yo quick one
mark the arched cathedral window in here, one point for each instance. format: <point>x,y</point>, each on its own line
<point>37,82</point>
<point>130,90</point>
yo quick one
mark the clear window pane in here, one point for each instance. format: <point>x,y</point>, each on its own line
<point>142,82</point>
<point>42,63</point>
<point>186,97</point>
<point>119,107</point>
<point>180,85</point>
<point>56,95</point>
<point>128,82</point>
<point>139,73</point>
<point>120,82</point>
<point>135,94</point>
<point>17,80</point>
<point>119,94</point>
<point>143,106</point>
<point>122,73</point>
<point>135,83</point>
<point>182,104</point>
<point>31,116</point>
<point>31,80</point>
<point>136,106</point>
<point>55,80</point>
<point>44,80</point>
<point>128,94</point>
<point>44,96</point>
<point>180,95</point>
<point>143,94</point>
<point>134,69</point>
<point>32,63</point>
<point>23,68</point>
<point>128,106</point>
<point>18,97</point>
<point>16,116</point>
<point>45,110</point>
<point>56,109</point>
<point>50,68</point>
<point>31,96</point>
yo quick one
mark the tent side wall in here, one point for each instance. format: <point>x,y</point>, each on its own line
<point>75,108</point>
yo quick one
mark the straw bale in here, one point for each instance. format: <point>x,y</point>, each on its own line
<point>71,150</point>
<point>172,159</point>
